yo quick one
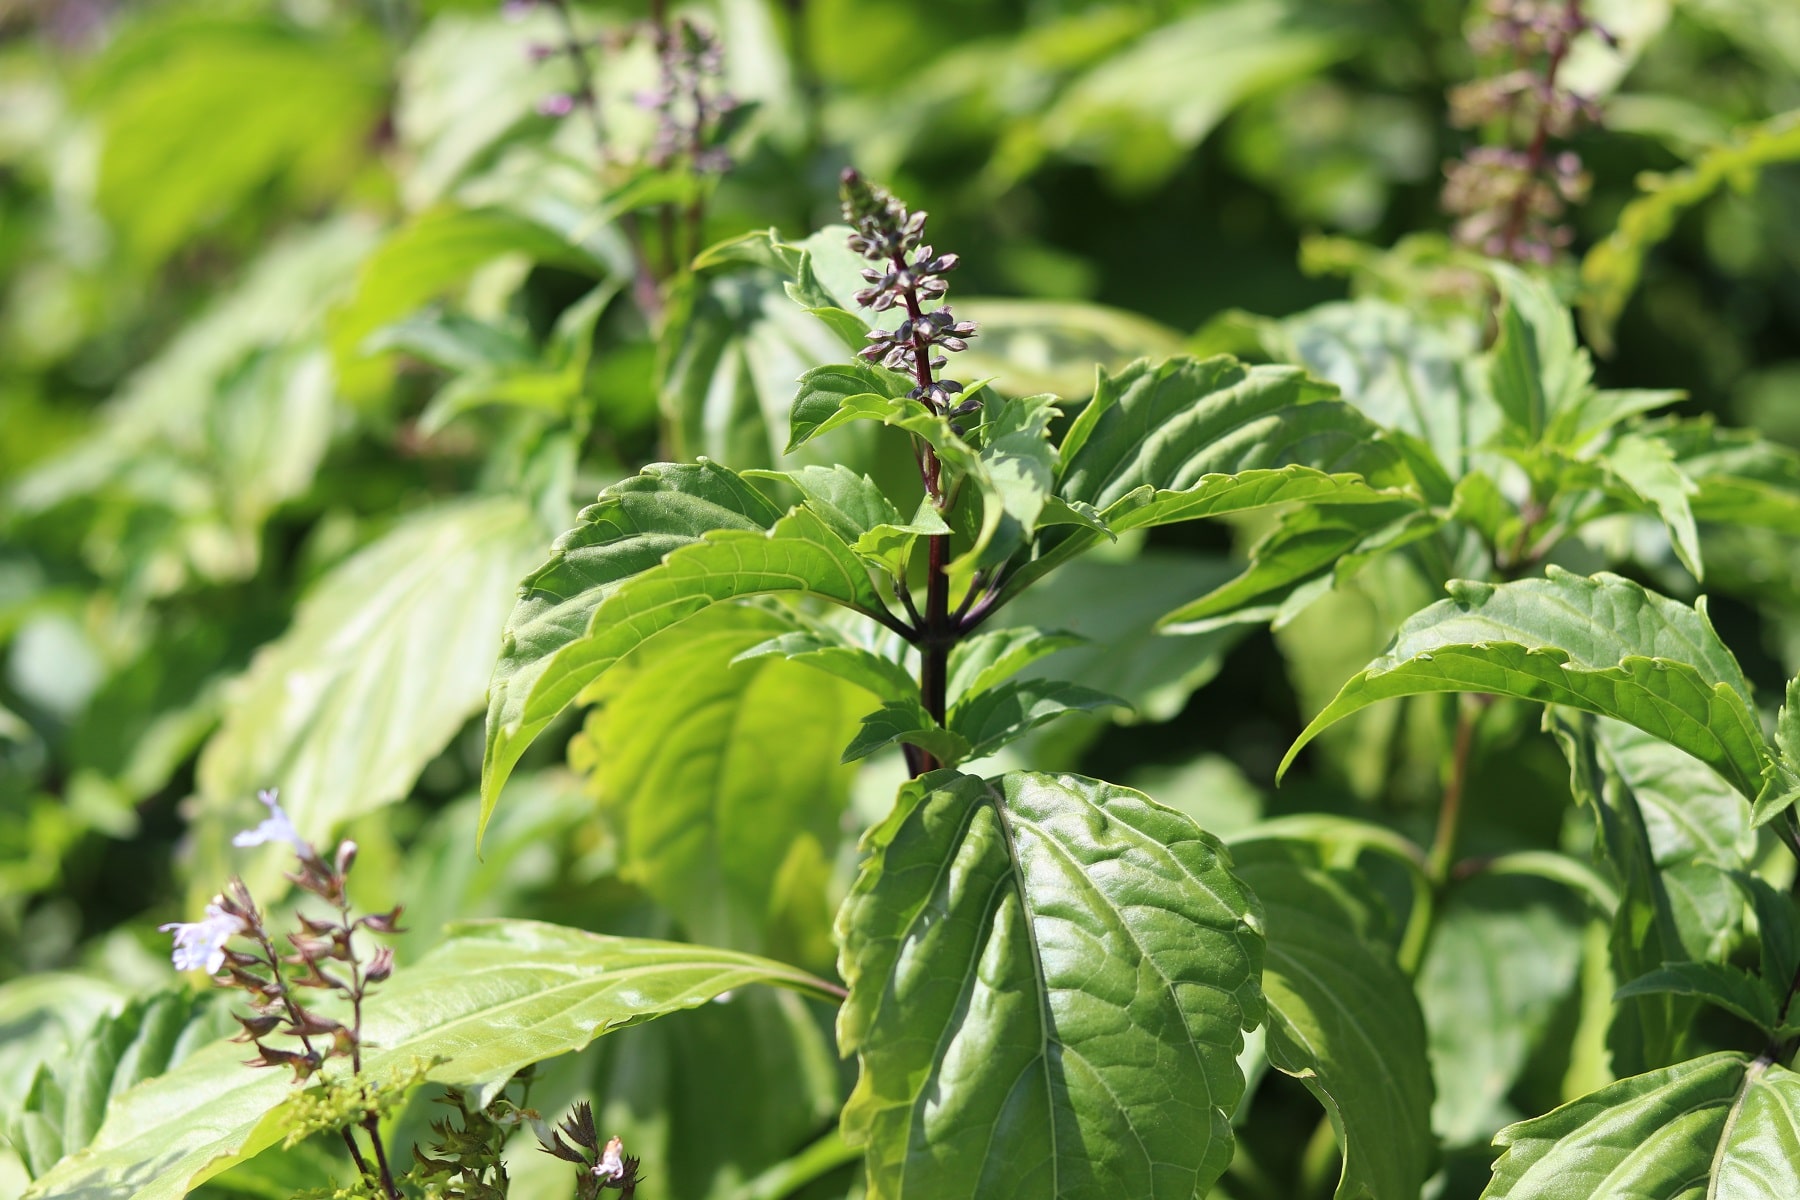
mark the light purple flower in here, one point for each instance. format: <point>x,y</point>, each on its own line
<point>275,828</point>
<point>556,104</point>
<point>200,945</point>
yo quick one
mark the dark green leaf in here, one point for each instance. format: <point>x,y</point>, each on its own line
<point>835,395</point>
<point>1731,988</point>
<point>905,721</point>
<point>1000,1055</point>
<point>1343,1020</point>
<point>1000,715</point>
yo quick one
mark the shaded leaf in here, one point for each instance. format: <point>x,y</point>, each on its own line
<point>1001,715</point>
<point>906,721</point>
<point>1344,1021</point>
<point>1609,272</point>
<point>980,662</point>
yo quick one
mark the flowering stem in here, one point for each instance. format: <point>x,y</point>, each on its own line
<point>1540,137</point>
<point>644,287</point>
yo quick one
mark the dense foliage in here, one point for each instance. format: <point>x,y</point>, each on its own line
<point>642,664</point>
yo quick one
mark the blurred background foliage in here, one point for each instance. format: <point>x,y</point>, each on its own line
<point>315,330</point>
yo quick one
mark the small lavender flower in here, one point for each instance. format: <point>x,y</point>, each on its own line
<point>200,945</point>
<point>556,104</point>
<point>275,828</point>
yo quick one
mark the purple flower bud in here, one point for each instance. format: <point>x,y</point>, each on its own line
<point>556,104</point>
<point>517,10</point>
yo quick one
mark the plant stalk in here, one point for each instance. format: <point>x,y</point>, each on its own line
<point>1443,845</point>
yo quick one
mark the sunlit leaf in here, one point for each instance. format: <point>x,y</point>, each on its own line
<point>496,997</point>
<point>1601,644</point>
<point>1344,1021</point>
<point>651,552</point>
<point>1713,1126</point>
<point>1049,977</point>
<point>388,656</point>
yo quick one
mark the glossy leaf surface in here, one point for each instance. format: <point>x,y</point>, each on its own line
<point>1717,1126</point>
<point>1602,644</point>
<point>1049,979</point>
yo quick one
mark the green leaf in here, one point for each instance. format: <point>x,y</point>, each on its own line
<point>1739,476</point>
<point>860,513</point>
<point>386,659</point>
<point>730,352</point>
<point>650,553</point>
<point>434,252</point>
<point>1504,957</point>
<point>1344,1021</point>
<point>875,673</point>
<point>1402,371</point>
<point>1139,111</point>
<point>1000,715</point>
<point>496,997</point>
<point>229,420</point>
<point>1189,438</point>
<point>1603,644</point>
<point>1647,466</point>
<point>1000,1056</point>
<point>69,1096</point>
<point>1054,345</point>
<point>1610,271</point>
<point>1307,546</point>
<point>1668,828</point>
<point>690,744</point>
<point>905,721</point>
<point>1114,606</point>
<point>1731,988</point>
<point>980,662</point>
<point>1713,1126</point>
<point>1169,425</point>
<point>661,1087</point>
<point>835,395</point>
<point>1018,467</point>
<point>1536,372</point>
<point>196,116</point>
